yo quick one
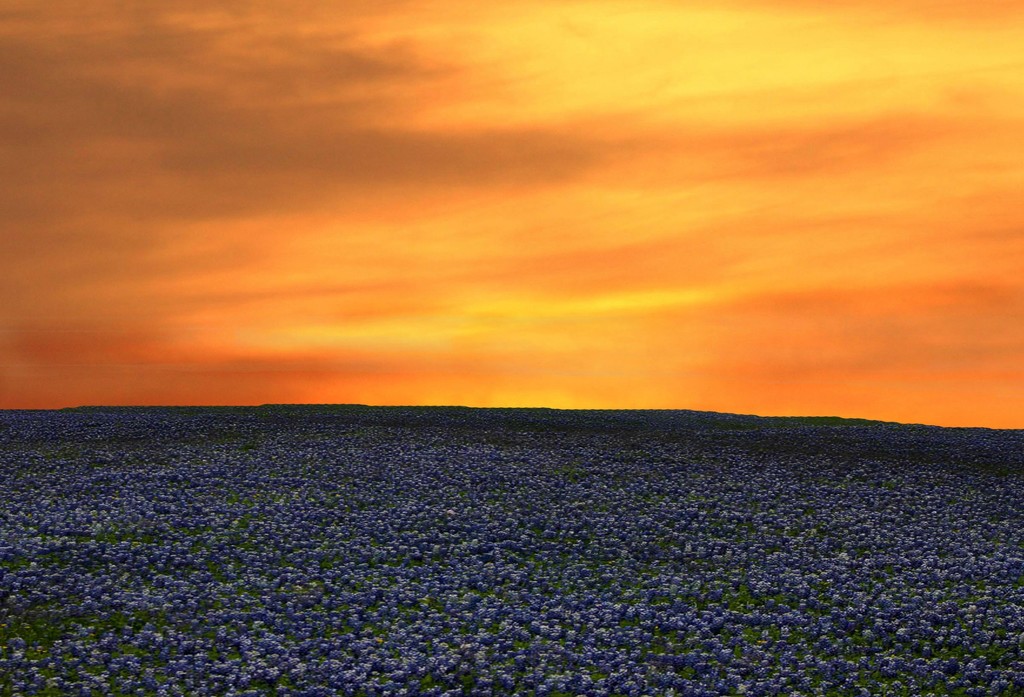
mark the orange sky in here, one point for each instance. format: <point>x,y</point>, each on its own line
<point>774,207</point>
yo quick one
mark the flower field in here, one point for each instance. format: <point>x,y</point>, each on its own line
<point>347,550</point>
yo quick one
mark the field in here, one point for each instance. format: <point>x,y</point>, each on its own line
<point>323,550</point>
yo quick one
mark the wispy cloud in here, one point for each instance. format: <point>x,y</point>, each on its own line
<point>749,206</point>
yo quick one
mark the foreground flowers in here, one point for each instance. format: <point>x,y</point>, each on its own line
<point>347,550</point>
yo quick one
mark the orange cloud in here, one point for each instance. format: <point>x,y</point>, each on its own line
<point>744,206</point>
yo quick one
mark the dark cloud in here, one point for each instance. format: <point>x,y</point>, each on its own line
<point>185,123</point>
<point>120,126</point>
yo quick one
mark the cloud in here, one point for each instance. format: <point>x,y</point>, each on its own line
<point>124,127</point>
<point>791,151</point>
<point>379,201</point>
<point>171,126</point>
<point>934,331</point>
<point>83,346</point>
<point>47,366</point>
<point>935,11</point>
<point>140,147</point>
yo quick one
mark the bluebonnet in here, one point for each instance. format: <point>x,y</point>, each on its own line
<point>346,550</point>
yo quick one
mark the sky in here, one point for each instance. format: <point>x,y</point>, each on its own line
<point>753,206</point>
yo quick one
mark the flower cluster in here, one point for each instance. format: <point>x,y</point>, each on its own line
<point>318,550</point>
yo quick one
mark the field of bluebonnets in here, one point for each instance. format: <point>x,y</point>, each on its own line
<point>287,550</point>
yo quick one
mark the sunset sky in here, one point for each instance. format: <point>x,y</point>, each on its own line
<point>755,206</point>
